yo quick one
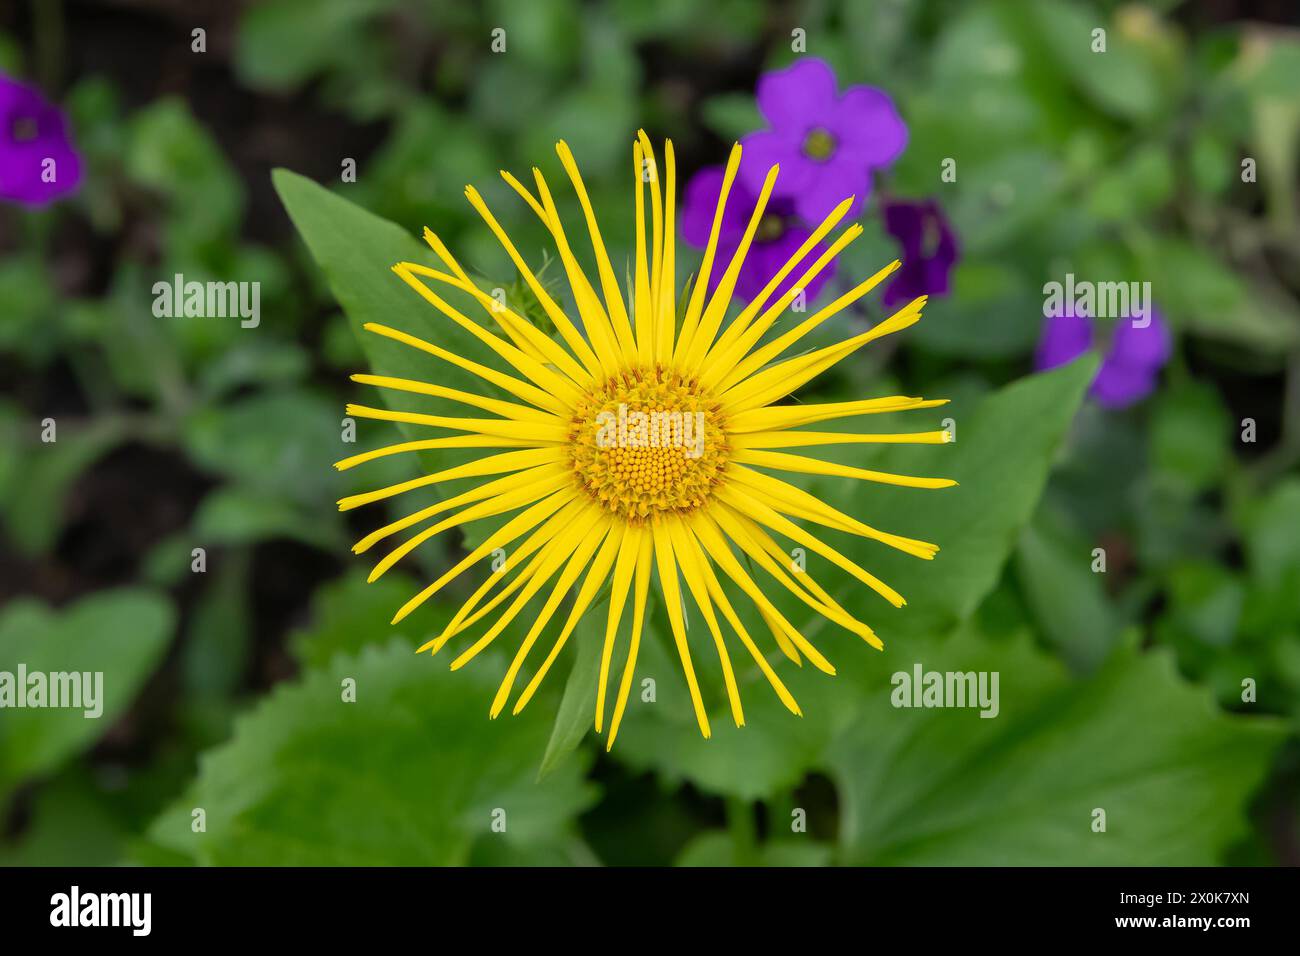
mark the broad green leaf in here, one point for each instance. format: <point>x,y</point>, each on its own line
<point>1001,457</point>
<point>1005,446</point>
<point>120,635</point>
<point>411,773</point>
<point>357,250</point>
<point>944,786</point>
<point>348,615</point>
<point>576,713</point>
<point>1055,569</point>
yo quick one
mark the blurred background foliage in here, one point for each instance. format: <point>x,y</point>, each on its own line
<point>1121,690</point>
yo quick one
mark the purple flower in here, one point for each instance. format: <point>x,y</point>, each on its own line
<point>929,250</point>
<point>1130,366</point>
<point>779,234</point>
<point>826,143</point>
<point>37,161</point>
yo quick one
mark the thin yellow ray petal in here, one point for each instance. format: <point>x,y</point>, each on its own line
<point>755,361</point>
<point>786,497</point>
<point>535,371</point>
<point>774,417</point>
<point>783,643</point>
<point>608,279</point>
<point>538,487</point>
<point>744,540</point>
<point>657,244</point>
<point>577,561</point>
<point>780,380</point>
<point>729,612</point>
<point>768,543</point>
<point>599,331</point>
<point>702,340</point>
<point>722,358</point>
<point>814,466</point>
<point>501,427</point>
<point>644,562</point>
<point>508,324</point>
<point>555,555</point>
<point>491,465</point>
<point>665,334</point>
<point>526,391</point>
<point>689,560</point>
<point>795,439</point>
<point>539,344</point>
<point>520,524</point>
<point>745,504</point>
<point>672,594</point>
<point>596,576</point>
<point>741,322</point>
<point>429,444</point>
<point>568,331</point>
<point>488,489</point>
<point>643,299</point>
<point>469,613</point>
<point>495,406</point>
<point>720,551</point>
<point>695,307</point>
<point>555,527</point>
<point>629,548</point>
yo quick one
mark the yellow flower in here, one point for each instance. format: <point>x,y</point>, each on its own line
<point>634,453</point>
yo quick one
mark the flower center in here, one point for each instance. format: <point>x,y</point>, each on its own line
<point>819,144</point>
<point>24,129</point>
<point>648,441</point>
<point>770,228</point>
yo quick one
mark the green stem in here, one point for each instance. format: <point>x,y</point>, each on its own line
<point>742,826</point>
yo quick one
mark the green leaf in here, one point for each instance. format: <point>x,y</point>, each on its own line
<point>411,773</point>
<point>36,493</point>
<point>120,635</point>
<point>1120,81</point>
<point>1003,451</point>
<point>356,250</point>
<point>1055,569</point>
<point>348,615</point>
<point>1005,446</point>
<point>943,786</point>
<point>576,714</point>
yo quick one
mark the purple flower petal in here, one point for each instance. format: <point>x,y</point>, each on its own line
<point>766,259</point>
<point>34,146</point>
<point>835,181</point>
<point>1120,384</point>
<point>867,126</point>
<point>1065,338</point>
<point>788,98</point>
<point>700,201</point>
<point>928,248</point>
<point>1147,346</point>
<point>763,150</point>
